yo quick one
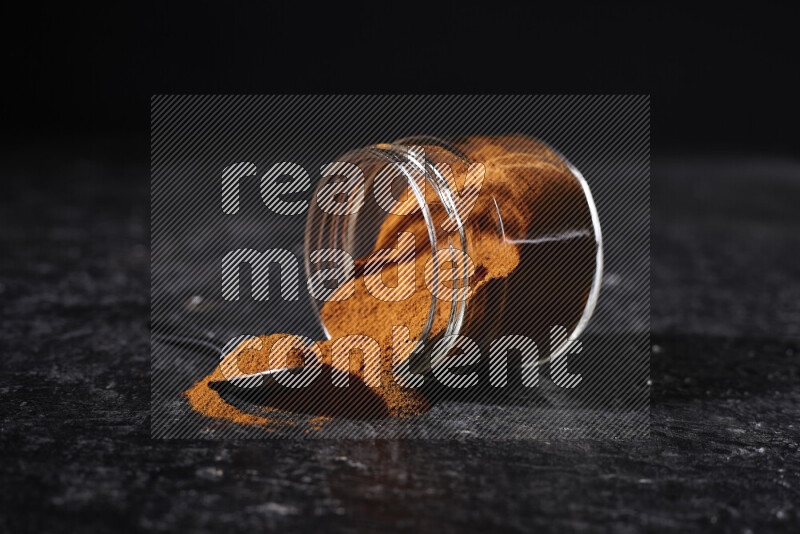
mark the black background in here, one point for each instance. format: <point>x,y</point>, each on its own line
<point>74,271</point>
<point>720,78</point>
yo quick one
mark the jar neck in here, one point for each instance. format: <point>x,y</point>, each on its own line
<point>413,158</point>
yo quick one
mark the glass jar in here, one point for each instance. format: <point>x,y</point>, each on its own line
<point>520,211</point>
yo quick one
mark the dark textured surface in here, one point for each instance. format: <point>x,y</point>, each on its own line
<point>77,456</point>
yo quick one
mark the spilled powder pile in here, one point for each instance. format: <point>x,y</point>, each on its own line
<point>518,171</point>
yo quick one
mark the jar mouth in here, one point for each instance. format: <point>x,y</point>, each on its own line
<point>408,158</point>
<point>446,195</point>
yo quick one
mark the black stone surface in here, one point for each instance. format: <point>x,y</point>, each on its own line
<point>74,393</point>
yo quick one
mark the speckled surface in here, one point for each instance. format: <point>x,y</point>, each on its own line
<point>74,394</point>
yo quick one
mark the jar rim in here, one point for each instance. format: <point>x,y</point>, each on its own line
<point>401,154</point>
